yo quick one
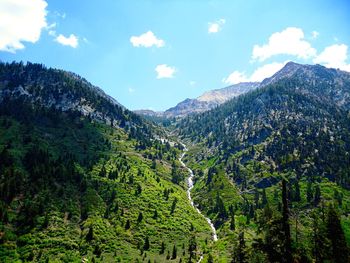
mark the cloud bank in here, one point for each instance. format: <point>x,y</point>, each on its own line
<point>21,21</point>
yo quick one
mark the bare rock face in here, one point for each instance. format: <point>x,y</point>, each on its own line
<point>315,76</point>
<point>61,90</point>
<point>205,102</point>
<point>220,96</point>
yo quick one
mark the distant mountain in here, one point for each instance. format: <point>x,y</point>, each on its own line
<point>205,102</point>
<point>188,106</point>
<point>149,113</point>
<point>213,98</point>
<point>219,96</point>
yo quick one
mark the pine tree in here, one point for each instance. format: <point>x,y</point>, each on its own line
<point>138,190</point>
<point>340,252</point>
<point>317,197</point>
<point>263,198</point>
<point>154,164</point>
<point>220,207</point>
<point>256,199</point>
<point>173,205</point>
<point>174,253</point>
<point>175,177</point>
<point>140,217</point>
<point>309,192</point>
<point>162,248</point>
<point>127,224</point>
<point>241,249</point>
<point>285,223</point>
<point>321,244</point>
<point>90,234</point>
<point>146,245</point>
<point>232,222</point>
<point>155,214</point>
<point>192,246</point>
<point>297,196</point>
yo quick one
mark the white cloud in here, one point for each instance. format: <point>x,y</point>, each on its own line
<point>290,41</point>
<point>235,77</point>
<point>165,71</point>
<point>21,21</point>
<point>315,34</point>
<point>214,27</point>
<point>71,41</point>
<point>147,39</point>
<point>266,71</point>
<point>334,56</point>
<point>131,90</point>
<point>258,75</point>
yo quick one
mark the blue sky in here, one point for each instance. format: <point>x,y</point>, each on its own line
<point>154,54</point>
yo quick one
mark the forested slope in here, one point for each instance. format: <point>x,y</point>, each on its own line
<point>295,130</point>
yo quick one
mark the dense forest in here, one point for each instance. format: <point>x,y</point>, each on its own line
<point>75,187</point>
<point>273,168</point>
<point>83,179</point>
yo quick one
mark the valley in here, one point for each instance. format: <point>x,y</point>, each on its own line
<point>262,176</point>
<point>190,186</point>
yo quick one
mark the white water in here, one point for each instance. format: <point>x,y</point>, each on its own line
<point>190,186</point>
<point>200,259</point>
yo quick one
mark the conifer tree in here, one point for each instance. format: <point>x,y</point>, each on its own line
<point>285,223</point>
<point>140,217</point>
<point>127,224</point>
<point>241,256</point>
<point>174,253</point>
<point>340,252</point>
<point>146,245</point>
<point>162,248</point>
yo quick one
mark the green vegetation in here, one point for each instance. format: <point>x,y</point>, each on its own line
<point>76,189</point>
<point>84,180</point>
<point>272,170</point>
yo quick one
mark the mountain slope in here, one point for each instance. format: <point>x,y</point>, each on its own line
<point>209,100</point>
<point>296,129</point>
<point>84,179</point>
<point>61,90</point>
<point>220,96</point>
<point>205,102</point>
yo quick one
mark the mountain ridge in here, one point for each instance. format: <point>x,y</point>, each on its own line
<point>274,155</point>
<point>98,186</point>
<point>270,168</point>
<point>212,98</point>
<point>207,101</point>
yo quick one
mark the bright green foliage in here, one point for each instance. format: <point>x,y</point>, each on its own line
<point>295,131</point>
<point>271,171</point>
<point>74,188</point>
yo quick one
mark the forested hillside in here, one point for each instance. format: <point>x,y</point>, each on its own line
<point>273,168</point>
<point>84,179</point>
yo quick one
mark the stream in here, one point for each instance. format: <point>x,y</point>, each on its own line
<point>190,186</point>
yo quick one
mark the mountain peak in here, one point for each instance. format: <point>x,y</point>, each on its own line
<point>292,64</point>
<point>287,71</point>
